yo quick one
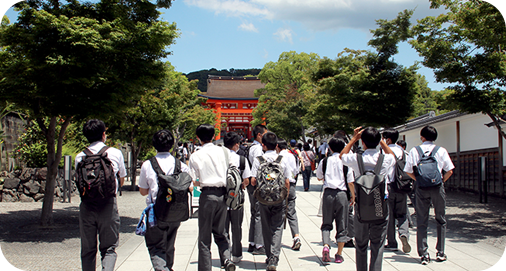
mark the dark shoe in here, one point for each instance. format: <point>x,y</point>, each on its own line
<point>326,254</point>
<point>251,248</point>
<point>440,257</point>
<point>406,248</point>
<point>259,251</point>
<point>425,260</point>
<point>273,263</point>
<point>296,244</point>
<point>339,258</point>
<point>391,247</point>
<point>229,265</point>
<point>349,244</point>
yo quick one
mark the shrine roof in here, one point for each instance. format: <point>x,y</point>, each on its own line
<point>232,87</point>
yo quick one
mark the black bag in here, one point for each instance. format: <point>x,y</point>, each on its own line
<point>403,183</point>
<point>171,203</point>
<point>427,174</point>
<point>271,189</point>
<point>95,177</point>
<point>372,206</point>
<point>345,171</point>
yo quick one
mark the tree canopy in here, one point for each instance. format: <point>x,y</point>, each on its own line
<point>72,59</point>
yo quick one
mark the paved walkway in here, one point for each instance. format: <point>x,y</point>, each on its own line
<point>462,255</point>
<point>469,247</point>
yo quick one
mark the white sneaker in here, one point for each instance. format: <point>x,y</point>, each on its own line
<point>236,259</point>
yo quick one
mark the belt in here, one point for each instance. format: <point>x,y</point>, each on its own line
<point>213,188</point>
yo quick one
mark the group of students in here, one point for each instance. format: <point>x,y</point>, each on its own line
<point>208,169</point>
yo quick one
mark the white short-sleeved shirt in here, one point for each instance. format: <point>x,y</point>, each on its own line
<point>115,155</point>
<point>271,156</point>
<point>254,151</point>
<point>443,158</point>
<point>291,163</point>
<point>209,166</point>
<point>334,175</point>
<point>370,158</point>
<point>398,151</point>
<point>148,177</point>
<point>235,161</point>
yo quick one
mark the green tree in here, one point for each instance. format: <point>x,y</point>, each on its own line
<point>466,48</point>
<point>364,88</point>
<point>70,60</point>
<point>282,104</point>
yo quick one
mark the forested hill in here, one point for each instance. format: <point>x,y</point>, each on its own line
<point>203,74</point>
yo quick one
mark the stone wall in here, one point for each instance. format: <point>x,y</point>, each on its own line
<point>28,185</point>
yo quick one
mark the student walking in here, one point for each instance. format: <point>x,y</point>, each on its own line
<point>308,158</point>
<point>337,183</point>
<point>99,214</point>
<point>429,189</point>
<point>369,232</point>
<point>209,166</point>
<point>235,217</point>
<point>272,216</point>
<point>161,238</point>
<point>291,213</point>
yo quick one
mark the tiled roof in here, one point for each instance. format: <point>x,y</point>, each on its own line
<point>428,119</point>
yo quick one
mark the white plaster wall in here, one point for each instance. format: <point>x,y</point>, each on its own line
<point>474,135</point>
<point>447,135</point>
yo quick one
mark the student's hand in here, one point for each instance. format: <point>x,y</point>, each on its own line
<point>357,133</point>
<point>253,181</point>
<point>352,200</point>
<point>245,183</point>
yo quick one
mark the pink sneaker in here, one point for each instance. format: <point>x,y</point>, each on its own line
<point>326,254</point>
<point>339,258</point>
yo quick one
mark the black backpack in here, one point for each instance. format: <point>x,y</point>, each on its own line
<point>171,203</point>
<point>427,174</point>
<point>372,206</point>
<point>95,177</point>
<point>235,195</point>
<point>271,189</point>
<point>345,171</point>
<point>403,183</point>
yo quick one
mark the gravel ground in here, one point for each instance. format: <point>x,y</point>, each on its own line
<point>30,247</point>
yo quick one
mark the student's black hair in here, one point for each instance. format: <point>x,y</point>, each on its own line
<point>309,140</point>
<point>230,139</point>
<point>282,144</point>
<point>337,144</point>
<point>205,133</point>
<point>93,130</point>
<point>163,141</point>
<point>391,133</point>
<point>270,140</point>
<point>402,143</point>
<point>429,132</point>
<point>299,146</point>
<point>259,129</point>
<point>306,147</point>
<point>371,137</point>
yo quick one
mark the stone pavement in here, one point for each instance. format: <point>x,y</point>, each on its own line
<point>476,238</point>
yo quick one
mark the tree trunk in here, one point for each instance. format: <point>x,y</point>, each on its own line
<point>53,160</point>
<point>496,123</point>
<point>133,168</point>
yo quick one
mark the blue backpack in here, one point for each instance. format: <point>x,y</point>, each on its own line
<point>427,174</point>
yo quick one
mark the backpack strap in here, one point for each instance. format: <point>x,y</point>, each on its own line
<point>360,162</point>
<point>242,163</point>
<point>278,160</point>
<point>177,166</point>
<point>420,152</point>
<point>156,167</point>
<point>324,166</point>
<point>434,151</point>
<point>379,163</point>
<point>261,159</point>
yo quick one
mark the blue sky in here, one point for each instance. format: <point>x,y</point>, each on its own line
<point>243,34</point>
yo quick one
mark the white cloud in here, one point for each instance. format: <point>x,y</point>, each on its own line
<point>284,34</point>
<point>318,15</point>
<point>248,27</point>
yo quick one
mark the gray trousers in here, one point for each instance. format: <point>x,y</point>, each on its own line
<point>397,208</point>
<point>376,235</point>
<point>334,209</point>
<point>212,217</point>
<point>234,219</point>
<point>424,196</point>
<point>255,226</point>
<point>291,213</point>
<point>103,218</point>
<point>272,218</point>
<point>160,241</point>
